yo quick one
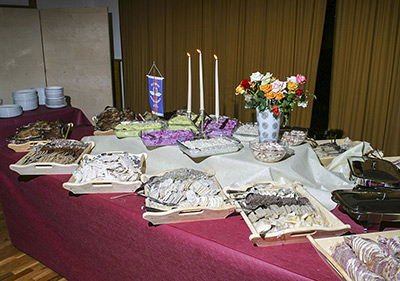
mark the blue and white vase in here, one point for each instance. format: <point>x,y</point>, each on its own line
<point>268,126</point>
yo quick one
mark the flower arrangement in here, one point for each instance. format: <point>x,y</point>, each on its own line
<point>266,92</point>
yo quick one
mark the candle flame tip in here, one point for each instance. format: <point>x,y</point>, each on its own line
<point>188,54</point>
<point>215,57</point>
<point>198,51</point>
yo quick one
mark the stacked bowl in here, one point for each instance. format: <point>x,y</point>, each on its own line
<point>10,110</point>
<point>55,97</point>
<point>26,98</point>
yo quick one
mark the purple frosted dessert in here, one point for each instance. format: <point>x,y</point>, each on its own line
<point>224,127</point>
<point>159,138</point>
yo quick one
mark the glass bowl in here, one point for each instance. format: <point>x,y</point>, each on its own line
<point>268,152</point>
<point>293,136</point>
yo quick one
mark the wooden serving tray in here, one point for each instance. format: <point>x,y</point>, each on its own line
<point>28,146</point>
<point>325,161</point>
<point>188,214</point>
<point>47,168</point>
<point>25,147</point>
<point>324,247</point>
<point>104,133</point>
<point>294,235</point>
<point>105,186</point>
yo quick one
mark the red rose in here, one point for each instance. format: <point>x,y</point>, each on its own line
<point>275,110</point>
<point>245,84</point>
<point>299,92</point>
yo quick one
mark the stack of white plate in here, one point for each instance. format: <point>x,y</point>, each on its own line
<point>26,98</point>
<point>10,110</point>
<point>55,97</point>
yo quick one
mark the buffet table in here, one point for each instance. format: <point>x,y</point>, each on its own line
<point>93,237</point>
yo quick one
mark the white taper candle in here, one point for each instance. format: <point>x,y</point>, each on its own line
<point>216,88</point>
<point>201,81</point>
<point>189,100</point>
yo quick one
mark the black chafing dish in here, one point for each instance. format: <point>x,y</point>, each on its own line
<point>376,198</point>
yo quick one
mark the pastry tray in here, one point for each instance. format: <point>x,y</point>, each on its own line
<point>47,168</point>
<point>367,206</point>
<point>187,214</point>
<point>101,133</point>
<point>27,146</point>
<point>104,133</point>
<point>105,186</point>
<point>291,235</point>
<point>233,145</point>
<point>326,160</point>
<point>137,127</point>
<point>324,247</point>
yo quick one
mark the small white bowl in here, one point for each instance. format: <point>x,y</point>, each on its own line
<point>10,110</point>
<point>268,152</point>
<point>293,137</point>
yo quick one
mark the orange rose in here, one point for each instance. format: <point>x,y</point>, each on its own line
<point>266,88</point>
<point>279,96</point>
<point>270,95</point>
<point>291,86</point>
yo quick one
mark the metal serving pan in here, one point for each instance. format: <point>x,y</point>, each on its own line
<point>369,207</point>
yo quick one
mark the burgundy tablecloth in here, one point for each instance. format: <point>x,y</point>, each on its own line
<point>92,237</point>
<point>67,114</point>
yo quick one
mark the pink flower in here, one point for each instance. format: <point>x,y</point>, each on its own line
<point>278,86</point>
<point>301,79</point>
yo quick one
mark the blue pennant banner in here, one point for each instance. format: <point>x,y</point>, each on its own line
<point>155,94</point>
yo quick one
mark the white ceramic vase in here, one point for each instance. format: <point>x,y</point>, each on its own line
<point>268,126</point>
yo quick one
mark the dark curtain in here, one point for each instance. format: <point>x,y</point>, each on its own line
<point>282,37</point>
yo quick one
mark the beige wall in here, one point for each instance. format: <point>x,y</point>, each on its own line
<point>21,55</point>
<point>77,55</point>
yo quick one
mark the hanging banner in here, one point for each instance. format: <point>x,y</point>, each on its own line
<point>155,94</point>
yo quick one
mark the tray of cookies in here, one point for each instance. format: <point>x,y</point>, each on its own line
<point>30,135</point>
<point>109,172</point>
<point>59,156</point>
<point>184,195</point>
<point>283,213</point>
<point>105,121</point>
<point>368,256</point>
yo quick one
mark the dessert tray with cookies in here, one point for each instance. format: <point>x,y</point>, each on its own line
<point>30,135</point>
<point>59,156</point>
<point>110,172</point>
<point>283,213</point>
<point>184,195</point>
